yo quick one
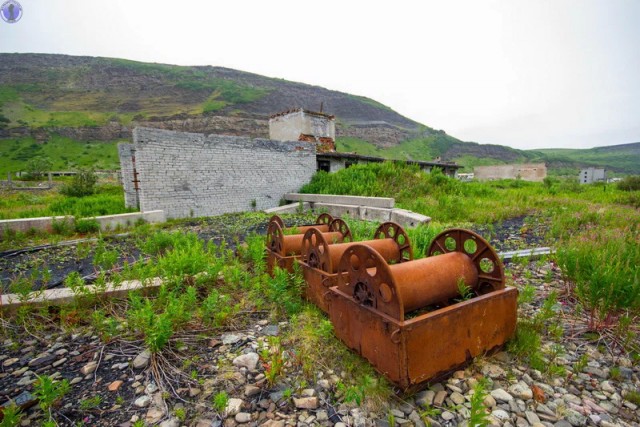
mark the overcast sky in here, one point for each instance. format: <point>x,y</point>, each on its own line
<point>527,74</point>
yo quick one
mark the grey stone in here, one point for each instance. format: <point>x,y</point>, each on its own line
<point>521,390</point>
<point>233,406</point>
<point>243,417</point>
<point>228,339</point>
<point>171,422</point>
<point>306,402</point>
<point>154,414</point>
<point>500,414</point>
<point>142,401</point>
<point>271,330</point>
<point>88,368</point>
<point>439,398</point>
<point>447,416</point>
<point>142,360</point>
<point>248,360</point>
<point>489,401</point>
<point>251,390</point>
<point>575,418</point>
<point>532,417</point>
<point>425,398</point>
<point>457,398</point>
<point>493,371</point>
<point>607,387</point>
<point>500,395</point>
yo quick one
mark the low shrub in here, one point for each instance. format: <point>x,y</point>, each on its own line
<point>82,184</point>
<point>630,183</point>
<point>88,225</point>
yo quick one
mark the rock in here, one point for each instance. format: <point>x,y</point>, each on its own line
<point>154,414</point>
<point>521,390</point>
<point>88,368</point>
<point>251,390</point>
<point>424,398</point>
<point>42,361</point>
<point>193,391</point>
<point>493,371</point>
<point>532,417</point>
<point>306,402</point>
<point>59,362</point>
<point>271,330</point>
<point>447,416</point>
<point>229,339</point>
<point>322,415</point>
<point>607,387</point>
<point>10,362</point>
<point>276,423</point>
<point>233,406</point>
<point>575,418</point>
<point>414,417</point>
<point>142,401</point>
<point>457,398</point>
<point>204,422</point>
<point>142,360</point>
<point>489,401</point>
<point>248,360</point>
<point>538,394</point>
<point>308,392</point>
<point>171,422</point>
<point>20,371</point>
<point>324,384</point>
<point>76,380</point>
<point>500,395</point>
<point>500,414</point>
<point>438,400</point>
<point>114,386</point>
<point>151,388</point>
<point>243,417</point>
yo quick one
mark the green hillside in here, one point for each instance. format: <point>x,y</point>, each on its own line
<point>621,159</point>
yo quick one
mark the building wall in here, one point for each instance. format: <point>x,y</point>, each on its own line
<point>527,172</point>
<point>289,127</point>
<point>125,152</point>
<point>591,175</point>
<point>188,174</point>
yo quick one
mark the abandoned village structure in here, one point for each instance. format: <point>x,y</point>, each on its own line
<point>189,174</point>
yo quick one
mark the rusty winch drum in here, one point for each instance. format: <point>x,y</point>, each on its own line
<point>410,319</point>
<point>320,258</point>
<point>283,249</point>
<point>322,223</point>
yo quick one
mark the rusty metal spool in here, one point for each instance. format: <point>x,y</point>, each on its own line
<point>322,223</point>
<point>465,258</point>
<point>291,245</point>
<point>390,240</point>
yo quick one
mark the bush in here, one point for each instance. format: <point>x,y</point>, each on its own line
<point>630,183</point>
<point>89,225</point>
<point>37,167</point>
<point>82,184</point>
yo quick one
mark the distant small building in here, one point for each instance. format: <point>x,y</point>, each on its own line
<point>333,162</point>
<point>465,177</point>
<point>304,125</point>
<point>591,175</point>
<point>526,172</point>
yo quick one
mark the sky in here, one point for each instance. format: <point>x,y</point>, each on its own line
<point>527,74</point>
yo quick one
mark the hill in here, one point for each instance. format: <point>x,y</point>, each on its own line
<point>59,106</point>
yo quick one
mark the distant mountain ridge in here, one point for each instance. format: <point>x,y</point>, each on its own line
<point>102,99</point>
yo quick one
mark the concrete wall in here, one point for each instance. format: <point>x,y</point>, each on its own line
<point>188,174</point>
<point>289,127</point>
<point>591,175</point>
<point>527,172</point>
<point>126,152</point>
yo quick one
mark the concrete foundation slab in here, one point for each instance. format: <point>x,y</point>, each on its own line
<point>24,225</point>
<point>408,218</point>
<point>290,208</point>
<point>374,202</point>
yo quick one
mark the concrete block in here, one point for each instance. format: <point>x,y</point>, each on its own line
<point>60,296</point>
<point>338,210</point>
<point>407,218</point>
<point>375,202</point>
<point>157,216</point>
<point>368,213</point>
<point>290,208</point>
<point>23,225</point>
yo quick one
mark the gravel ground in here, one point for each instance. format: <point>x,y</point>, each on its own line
<point>112,382</point>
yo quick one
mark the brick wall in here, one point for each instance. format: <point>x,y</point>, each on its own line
<point>126,172</point>
<point>188,174</point>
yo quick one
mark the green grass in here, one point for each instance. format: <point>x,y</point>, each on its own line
<point>109,199</point>
<point>64,153</point>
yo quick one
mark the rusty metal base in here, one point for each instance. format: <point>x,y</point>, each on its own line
<point>425,347</point>
<point>276,260</point>
<point>317,286</point>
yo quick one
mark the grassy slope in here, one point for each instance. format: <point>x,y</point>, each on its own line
<point>65,154</point>
<point>623,159</point>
